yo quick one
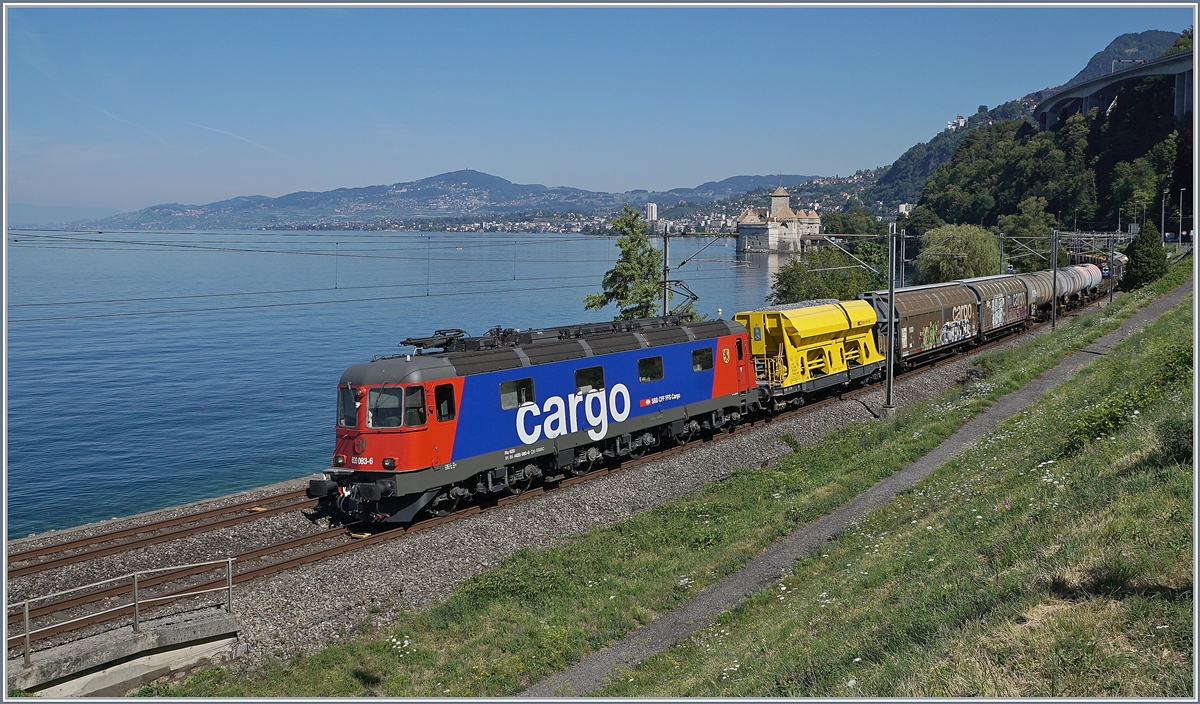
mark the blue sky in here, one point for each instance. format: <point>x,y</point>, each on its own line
<point>126,108</point>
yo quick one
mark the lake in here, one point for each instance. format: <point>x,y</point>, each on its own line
<point>149,369</point>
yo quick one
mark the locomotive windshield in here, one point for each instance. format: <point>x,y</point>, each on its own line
<point>384,407</point>
<point>347,413</point>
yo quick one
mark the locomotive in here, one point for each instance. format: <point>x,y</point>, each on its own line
<point>464,418</point>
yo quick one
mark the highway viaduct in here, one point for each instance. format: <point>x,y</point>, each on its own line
<point>1100,92</point>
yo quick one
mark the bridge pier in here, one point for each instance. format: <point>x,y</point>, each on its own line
<point>1183,94</point>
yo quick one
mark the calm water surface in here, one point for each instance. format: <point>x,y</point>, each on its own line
<point>222,376</point>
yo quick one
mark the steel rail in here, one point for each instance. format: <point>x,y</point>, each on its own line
<point>150,540</point>
<point>169,575</point>
<point>157,525</point>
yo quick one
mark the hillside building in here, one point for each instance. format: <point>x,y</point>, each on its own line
<point>956,124</point>
<point>778,228</point>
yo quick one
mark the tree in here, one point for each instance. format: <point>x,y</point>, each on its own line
<point>1147,260</point>
<point>855,221</point>
<point>635,281</point>
<point>957,252</point>
<point>1183,43</point>
<point>1031,228</point>
<point>823,272</point>
<point>918,221</point>
<point>874,254</point>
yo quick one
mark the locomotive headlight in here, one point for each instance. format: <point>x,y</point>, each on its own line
<point>339,460</point>
<point>389,463</point>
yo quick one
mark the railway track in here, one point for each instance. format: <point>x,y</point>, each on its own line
<point>168,584</point>
<point>92,547</point>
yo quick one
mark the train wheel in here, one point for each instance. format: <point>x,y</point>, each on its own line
<point>516,487</point>
<point>584,464</point>
<point>520,481</point>
<point>442,505</point>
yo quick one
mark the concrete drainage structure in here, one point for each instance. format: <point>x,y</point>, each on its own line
<point>117,662</point>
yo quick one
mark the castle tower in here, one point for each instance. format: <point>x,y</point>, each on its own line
<point>779,200</point>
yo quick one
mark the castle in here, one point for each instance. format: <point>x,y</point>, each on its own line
<point>778,228</point>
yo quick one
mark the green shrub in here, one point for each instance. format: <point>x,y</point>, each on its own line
<point>1175,434</point>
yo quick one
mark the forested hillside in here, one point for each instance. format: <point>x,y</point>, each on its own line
<point>1096,167</point>
<point>903,180</point>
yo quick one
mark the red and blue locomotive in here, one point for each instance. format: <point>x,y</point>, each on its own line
<point>492,414</point>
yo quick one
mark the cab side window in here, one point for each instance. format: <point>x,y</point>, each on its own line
<point>414,406</point>
<point>443,398</point>
<point>739,348</point>
<point>702,359</point>
<point>347,408</point>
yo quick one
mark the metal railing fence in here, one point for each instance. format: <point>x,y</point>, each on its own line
<point>136,603</point>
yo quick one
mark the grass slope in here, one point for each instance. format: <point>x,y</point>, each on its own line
<point>1053,558</point>
<point>539,612</point>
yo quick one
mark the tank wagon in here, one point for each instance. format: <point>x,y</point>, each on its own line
<point>1076,285</point>
<point>464,418</point>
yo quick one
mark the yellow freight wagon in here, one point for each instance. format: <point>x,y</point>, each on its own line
<point>801,350</point>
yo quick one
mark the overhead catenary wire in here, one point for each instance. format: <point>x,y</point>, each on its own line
<point>292,304</point>
<point>58,242</point>
<point>329,237</point>
<point>171,246</point>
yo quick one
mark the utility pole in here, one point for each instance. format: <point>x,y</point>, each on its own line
<point>1054,272</point>
<point>666,268</point>
<point>1112,273</point>
<point>1001,252</point>
<point>889,410</point>
<point>1162,225</point>
<point>1181,190</point>
<point>902,257</point>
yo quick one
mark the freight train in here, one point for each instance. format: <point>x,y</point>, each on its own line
<point>462,418</point>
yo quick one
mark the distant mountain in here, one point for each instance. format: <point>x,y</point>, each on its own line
<point>735,186</point>
<point>464,193</point>
<point>1147,45</point>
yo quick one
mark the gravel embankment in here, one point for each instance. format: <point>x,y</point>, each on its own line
<point>321,603</point>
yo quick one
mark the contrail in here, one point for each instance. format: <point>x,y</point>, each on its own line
<point>118,119</point>
<point>236,136</point>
